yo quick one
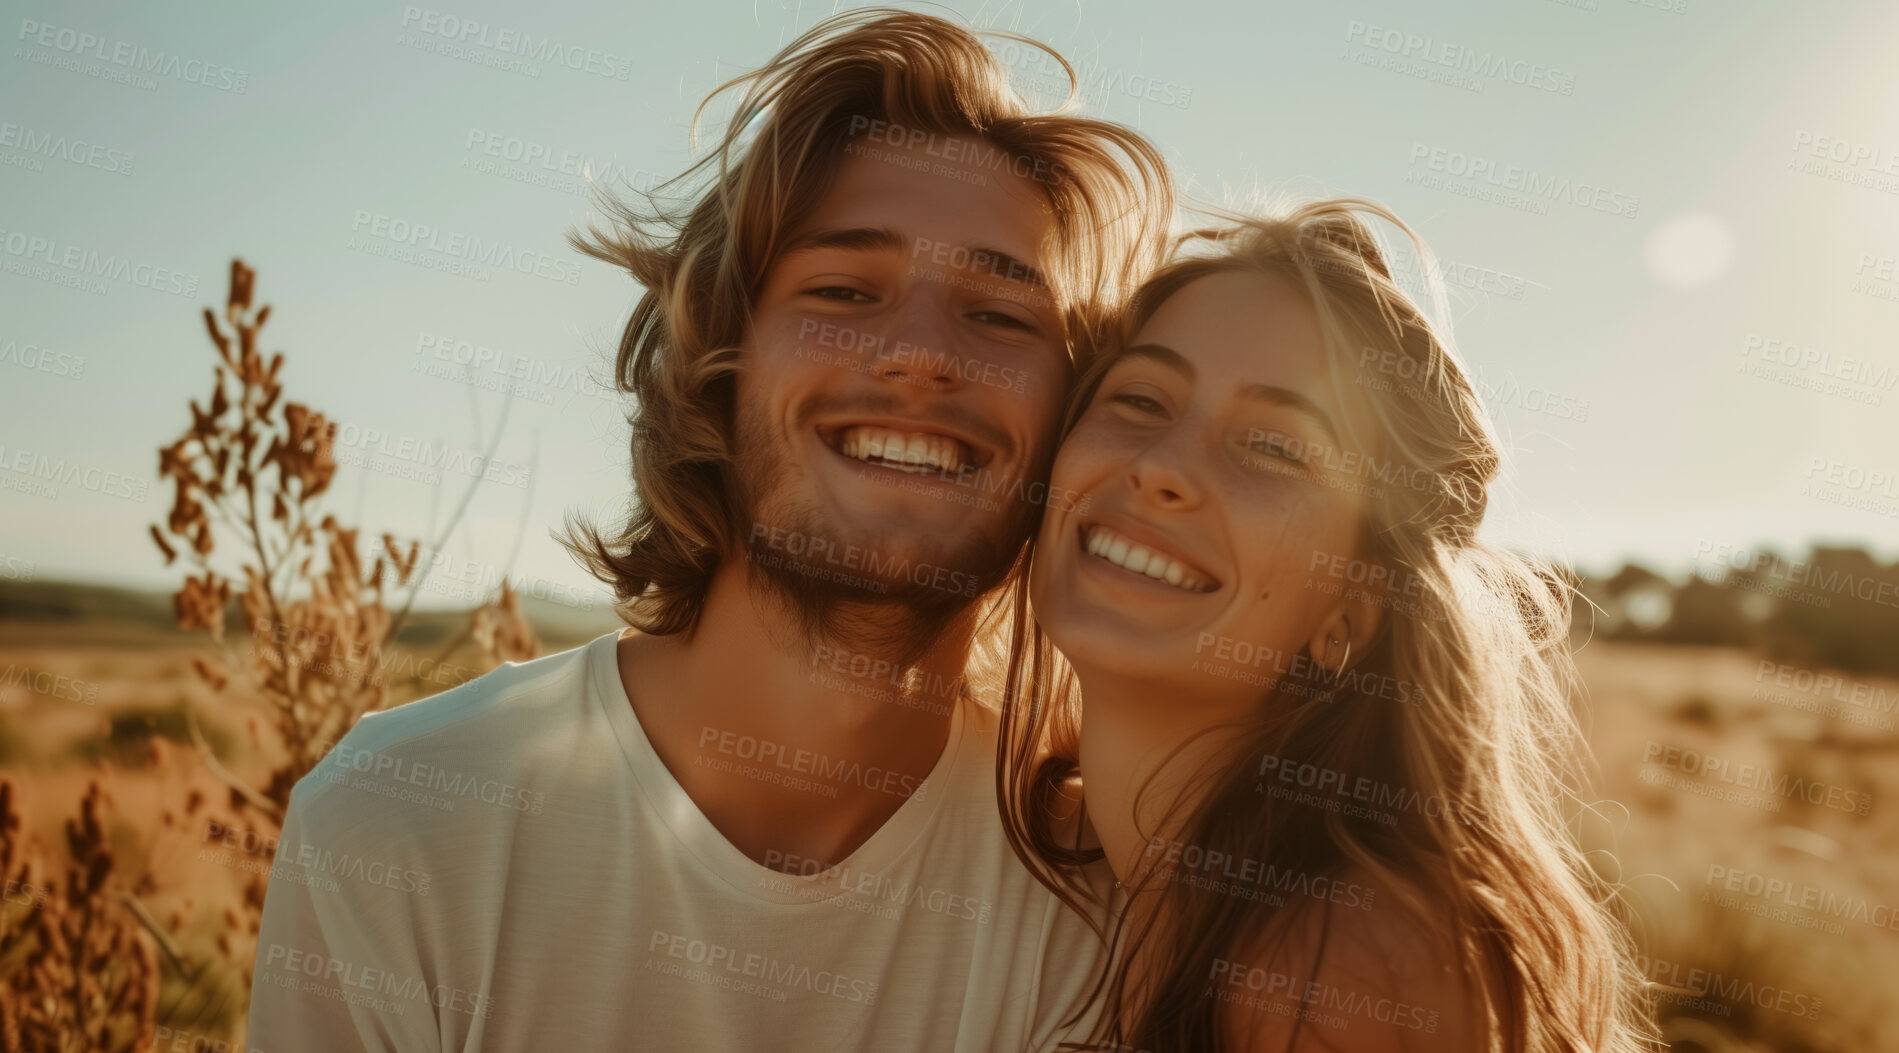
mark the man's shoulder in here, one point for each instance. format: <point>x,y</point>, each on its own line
<point>460,741</point>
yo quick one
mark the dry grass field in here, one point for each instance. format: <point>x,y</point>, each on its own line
<point>1698,842</point>
<point>1695,842</point>
<point>106,700</point>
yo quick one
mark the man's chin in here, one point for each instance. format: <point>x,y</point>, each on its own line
<point>874,563</point>
<point>904,520</point>
<point>894,587</point>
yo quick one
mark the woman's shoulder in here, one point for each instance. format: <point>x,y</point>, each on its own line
<point>1369,978</point>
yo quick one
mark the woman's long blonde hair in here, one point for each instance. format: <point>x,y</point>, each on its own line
<point>1486,730</point>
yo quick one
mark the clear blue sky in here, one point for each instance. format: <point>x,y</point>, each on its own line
<point>1757,145</point>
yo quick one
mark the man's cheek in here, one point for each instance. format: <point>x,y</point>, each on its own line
<point>774,366</point>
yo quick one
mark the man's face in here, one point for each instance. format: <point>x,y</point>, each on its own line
<point>904,373</point>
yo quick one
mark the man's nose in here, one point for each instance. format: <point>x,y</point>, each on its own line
<point>915,342</point>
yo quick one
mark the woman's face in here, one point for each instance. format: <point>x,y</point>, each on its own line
<point>1217,499</point>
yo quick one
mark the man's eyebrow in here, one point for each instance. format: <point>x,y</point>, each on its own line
<point>993,262</point>
<point>861,239</point>
<point>1001,265</point>
<point>1271,394</point>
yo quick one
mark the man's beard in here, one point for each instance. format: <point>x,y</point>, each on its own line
<point>891,616</point>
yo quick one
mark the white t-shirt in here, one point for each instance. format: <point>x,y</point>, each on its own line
<point>509,866</point>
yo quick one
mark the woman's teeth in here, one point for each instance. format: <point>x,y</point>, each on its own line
<point>904,451</point>
<point>1132,556</point>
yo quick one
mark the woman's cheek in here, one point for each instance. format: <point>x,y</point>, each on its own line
<point>1289,533</point>
<point>1090,450</point>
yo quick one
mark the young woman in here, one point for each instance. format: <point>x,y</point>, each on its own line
<point>1318,730</point>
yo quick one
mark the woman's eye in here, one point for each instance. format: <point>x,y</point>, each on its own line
<point>840,292</point>
<point>1279,446</point>
<point>1139,402</point>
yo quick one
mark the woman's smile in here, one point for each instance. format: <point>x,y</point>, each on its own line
<point>1144,560</point>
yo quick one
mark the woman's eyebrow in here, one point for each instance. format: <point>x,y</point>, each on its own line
<point>1162,354</point>
<point>1270,394</point>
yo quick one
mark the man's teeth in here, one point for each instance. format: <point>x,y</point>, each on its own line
<point>904,451</point>
<point>1138,558</point>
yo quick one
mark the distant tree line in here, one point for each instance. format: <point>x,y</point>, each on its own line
<point>1835,607</point>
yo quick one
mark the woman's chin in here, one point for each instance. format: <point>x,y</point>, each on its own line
<point>1095,637</point>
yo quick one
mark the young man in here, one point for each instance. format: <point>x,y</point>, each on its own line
<point>766,819</point>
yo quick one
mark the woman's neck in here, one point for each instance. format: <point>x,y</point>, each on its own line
<point>1141,752</point>
<point>1142,760</point>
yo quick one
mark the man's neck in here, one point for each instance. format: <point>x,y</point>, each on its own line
<point>745,692</point>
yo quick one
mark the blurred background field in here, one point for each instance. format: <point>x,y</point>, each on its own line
<point>1770,984</point>
<point>126,729</point>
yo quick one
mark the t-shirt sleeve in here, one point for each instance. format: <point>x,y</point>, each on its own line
<point>335,953</point>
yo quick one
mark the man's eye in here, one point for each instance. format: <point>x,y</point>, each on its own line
<point>1006,320</point>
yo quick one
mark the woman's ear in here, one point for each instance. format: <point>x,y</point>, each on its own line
<point>1331,643</point>
<point>1347,629</point>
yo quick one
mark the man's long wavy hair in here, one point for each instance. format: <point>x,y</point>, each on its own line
<point>700,245</point>
<point>1494,876</point>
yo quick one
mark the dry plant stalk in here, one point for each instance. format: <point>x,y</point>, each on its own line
<point>318,637</point>
<point>79,973</point>
<point>319,659</point>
